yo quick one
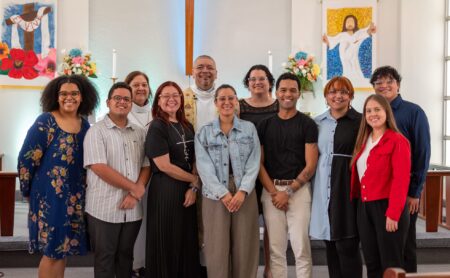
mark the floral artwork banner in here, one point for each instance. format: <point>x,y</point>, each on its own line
<point>349,33</point>
<point>28,43</point>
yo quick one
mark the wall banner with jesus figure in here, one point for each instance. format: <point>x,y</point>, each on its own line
<point>28,43</point>
<point>349,40</point>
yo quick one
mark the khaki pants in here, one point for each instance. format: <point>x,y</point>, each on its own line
<point>295,222</point>
<point>231,239</point>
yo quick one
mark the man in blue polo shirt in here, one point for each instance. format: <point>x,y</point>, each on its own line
<point>413,123</point>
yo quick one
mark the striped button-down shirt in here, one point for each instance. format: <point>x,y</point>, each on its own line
<point>123,150</point>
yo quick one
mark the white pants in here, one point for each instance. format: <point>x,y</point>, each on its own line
<point>295,222</point>
<point>139,245</point>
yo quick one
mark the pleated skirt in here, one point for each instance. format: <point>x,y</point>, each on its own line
<point>172,232</point>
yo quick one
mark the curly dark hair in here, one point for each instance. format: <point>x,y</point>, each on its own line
<point>263,68</point>
<point>89,94</point>
<point>158,113</point>
<point>385,72</point>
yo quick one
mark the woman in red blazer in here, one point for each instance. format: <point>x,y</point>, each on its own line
<point>380,178</point>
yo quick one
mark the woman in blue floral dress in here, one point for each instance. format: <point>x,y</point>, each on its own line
<point>51,173</point>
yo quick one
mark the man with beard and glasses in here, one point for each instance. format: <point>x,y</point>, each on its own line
<point>199,109</point>
<point>199,105</point>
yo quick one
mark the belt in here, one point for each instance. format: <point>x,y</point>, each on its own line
<point>282,182</point>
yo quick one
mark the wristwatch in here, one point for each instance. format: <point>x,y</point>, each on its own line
<point>289,191</point>
<point>194,189</point>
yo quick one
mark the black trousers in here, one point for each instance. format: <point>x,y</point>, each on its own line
<point>410,247</point>
<point>344,258</point>
<point>381,249</point>
<point>113,245</point>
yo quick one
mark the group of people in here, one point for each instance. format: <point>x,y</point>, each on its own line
<point>173,182</point>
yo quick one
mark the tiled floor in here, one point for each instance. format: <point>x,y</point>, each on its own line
<point>20,234</point>
<point>87,272</point>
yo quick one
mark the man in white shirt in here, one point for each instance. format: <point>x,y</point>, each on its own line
<point>117,172</point>
<point>199,109</point>
<point>199,105</point>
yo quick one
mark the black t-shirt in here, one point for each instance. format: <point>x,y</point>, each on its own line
<point>163,138</point>
<point>284,144</point>
<point>257,114</point>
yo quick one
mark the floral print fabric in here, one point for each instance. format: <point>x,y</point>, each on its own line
<point>51,173</point>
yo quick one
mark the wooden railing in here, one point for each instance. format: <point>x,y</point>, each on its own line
<point>400,273</point>
<point>7,198</point>
<point>432,200</point>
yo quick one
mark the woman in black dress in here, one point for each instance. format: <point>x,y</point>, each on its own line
<point>172,238</point>
<point>333,215</point>
<point>260,105</point>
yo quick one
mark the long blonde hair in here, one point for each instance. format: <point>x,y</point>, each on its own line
<point>365,129</point>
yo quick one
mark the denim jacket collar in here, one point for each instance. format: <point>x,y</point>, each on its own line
<point>216,125</point>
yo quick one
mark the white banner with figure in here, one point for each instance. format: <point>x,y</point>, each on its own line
<point>349,40</point>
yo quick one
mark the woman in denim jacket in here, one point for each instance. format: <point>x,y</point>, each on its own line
<point>228,154</point>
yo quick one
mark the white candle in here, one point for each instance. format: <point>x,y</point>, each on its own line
<point>114,63</point>
<point>270,64</point>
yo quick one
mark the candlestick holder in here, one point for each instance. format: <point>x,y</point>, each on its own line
<point>114,79</point>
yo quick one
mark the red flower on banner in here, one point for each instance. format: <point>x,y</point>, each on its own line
<point>20,64</point>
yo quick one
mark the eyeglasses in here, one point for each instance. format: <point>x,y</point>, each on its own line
<point>137,85</point>
<point>229,98</point>
<point>254,79</point>
<point>343,92</point>
<point>120,98</point>
<point>380,82</point>
<point>166,97</point>
<point>65,94</point>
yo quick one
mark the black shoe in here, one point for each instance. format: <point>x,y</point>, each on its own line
<point>203,272</point>
<point>136,273</point>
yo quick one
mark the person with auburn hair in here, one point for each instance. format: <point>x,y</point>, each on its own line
<point>379,184</point>
<point>333,215</point>
<point>172,233</point>
<point>51,174</point>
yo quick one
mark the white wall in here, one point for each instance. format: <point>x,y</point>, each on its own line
<point>237,34</point>
<point>149,36</point>
<point>18,107</point>
<point>422,52</point>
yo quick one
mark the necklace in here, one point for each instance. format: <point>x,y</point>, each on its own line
<point>184,142</point>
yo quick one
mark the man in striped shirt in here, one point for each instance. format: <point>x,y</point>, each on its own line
<point>117,172</point>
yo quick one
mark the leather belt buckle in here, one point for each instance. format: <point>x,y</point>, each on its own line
<point>278,182</point>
